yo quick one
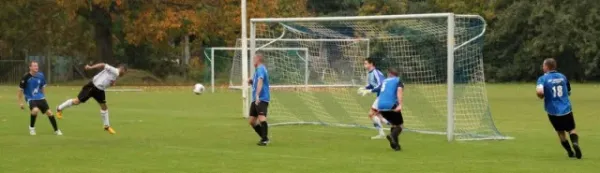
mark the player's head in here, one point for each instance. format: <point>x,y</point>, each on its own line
<point>549,65</point>
<point>369,64</point>
<point>258,59</point>
<point>122,69</point>
<point>392,72</point>
<point>33,67</point>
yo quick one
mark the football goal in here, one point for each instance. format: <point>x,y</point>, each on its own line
<point>291,57</point>
<point>439,57</point>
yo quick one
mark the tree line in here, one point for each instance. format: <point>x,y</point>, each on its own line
<point>148,33</point>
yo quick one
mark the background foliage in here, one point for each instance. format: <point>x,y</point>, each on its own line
<point>167,37</point>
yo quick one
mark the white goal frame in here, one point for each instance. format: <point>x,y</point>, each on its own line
<point>271,40</point>
<point>212,64</point>
<point>451,48</point>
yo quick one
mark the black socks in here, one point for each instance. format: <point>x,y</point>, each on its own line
<point>396,132</point>
<point>53,122</point>
<point>32,120</point>
<point>567,147</point>
<point>257,129</point>
<point>574,138</point>
<point>264,131</point>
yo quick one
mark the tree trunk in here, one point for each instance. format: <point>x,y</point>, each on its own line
<point>186,49</point>
<point>102,22</point>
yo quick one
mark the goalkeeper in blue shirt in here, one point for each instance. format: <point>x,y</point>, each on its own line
<point>374,83</point>
<point>555,89</point>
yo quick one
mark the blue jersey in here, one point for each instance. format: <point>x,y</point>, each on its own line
<point>374,81</point>
<point>556,89</point>
<point>388,99</point>
<point>261,73</point>
<point>32,86</point>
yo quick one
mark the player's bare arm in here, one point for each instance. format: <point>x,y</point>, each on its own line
<point>259,86</point>
<point>399,95</point>
<point>95,66</point>
<point>540,92</point>
<point>20,98</point>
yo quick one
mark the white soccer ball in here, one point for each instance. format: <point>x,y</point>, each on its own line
<point>198,89</point>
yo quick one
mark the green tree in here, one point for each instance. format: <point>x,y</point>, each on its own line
<point>526,32</point>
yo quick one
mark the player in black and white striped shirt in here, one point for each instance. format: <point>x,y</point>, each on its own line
<point>95,89</point>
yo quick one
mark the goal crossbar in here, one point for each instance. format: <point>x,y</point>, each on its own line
<point>350,18</point>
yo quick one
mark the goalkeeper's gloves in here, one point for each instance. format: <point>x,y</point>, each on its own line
<point>363,91</point>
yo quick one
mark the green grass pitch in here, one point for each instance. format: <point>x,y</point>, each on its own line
<point>172,130</point>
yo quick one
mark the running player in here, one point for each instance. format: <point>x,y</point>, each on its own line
<point>555,89</point>
<point>390,106</point>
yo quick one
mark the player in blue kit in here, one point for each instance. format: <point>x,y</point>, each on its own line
<point>555,89</point>
<point>390,106</point>
<point>374,83</point>
<point>260,101</point>
<point>32,87</point>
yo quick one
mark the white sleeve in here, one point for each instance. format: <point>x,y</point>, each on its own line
<point>111,69</point>
<point>540,88</point>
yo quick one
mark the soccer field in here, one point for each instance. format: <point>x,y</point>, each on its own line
<point>173,130</point>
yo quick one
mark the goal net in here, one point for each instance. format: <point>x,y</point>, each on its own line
<point>295,56</point>
<point>439,57</point>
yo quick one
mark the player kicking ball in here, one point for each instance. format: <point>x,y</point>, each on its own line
<point>390,106</point>
<point>32,86</point>
<point>555,89</point>
<point>260,101</point>
<point>95,89</point>
<point>374,81</point>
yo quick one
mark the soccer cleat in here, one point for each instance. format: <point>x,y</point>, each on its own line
<point>571,154</point>
<point>58,114</point>
<point>58,133</point>
<point>380,136</point>
<point>32,131</point>
<point>263,143</point>
<point>109,130</point>
<point>578,153</point>
<point>393,144</point>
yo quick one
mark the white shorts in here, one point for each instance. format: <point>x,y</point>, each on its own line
<point>375,104</point>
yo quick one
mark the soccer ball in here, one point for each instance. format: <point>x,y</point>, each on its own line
<point>198,89</point>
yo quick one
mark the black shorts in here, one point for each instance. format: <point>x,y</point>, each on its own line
<point>260,109</point>
<point>89,90</point>
<point>40,104</point>
<point>395,118</point>
<point>562,123</point>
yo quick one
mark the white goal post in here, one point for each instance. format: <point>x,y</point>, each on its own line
<point>412,43</point>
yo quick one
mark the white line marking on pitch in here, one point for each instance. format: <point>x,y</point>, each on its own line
<point>221,151</point>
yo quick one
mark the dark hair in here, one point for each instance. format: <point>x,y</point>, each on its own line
<point>393,71</point>
<point>123,66</point>
<point>550,63</point>
<point>370,60</point>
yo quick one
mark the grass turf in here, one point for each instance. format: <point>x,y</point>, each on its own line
<point>172,130</point>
